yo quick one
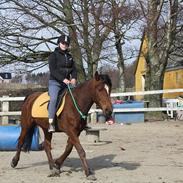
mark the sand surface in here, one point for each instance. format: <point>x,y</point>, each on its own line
<point>153,154</point>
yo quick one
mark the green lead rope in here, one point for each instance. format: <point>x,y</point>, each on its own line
<point>75,104</point>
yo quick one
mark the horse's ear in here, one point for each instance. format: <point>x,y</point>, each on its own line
<point>97,76</point>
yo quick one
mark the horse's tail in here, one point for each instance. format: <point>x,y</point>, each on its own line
<point>25,98</point>
<point>28,139</point>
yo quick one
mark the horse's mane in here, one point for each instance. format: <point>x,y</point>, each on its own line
<point>106,79</point>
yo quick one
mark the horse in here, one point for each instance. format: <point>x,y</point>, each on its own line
<point>95,90</point>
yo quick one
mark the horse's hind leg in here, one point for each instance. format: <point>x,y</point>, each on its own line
<point>16,158</point>
<point>59,161</point>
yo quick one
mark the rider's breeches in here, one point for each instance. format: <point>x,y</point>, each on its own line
<point>54,88</point>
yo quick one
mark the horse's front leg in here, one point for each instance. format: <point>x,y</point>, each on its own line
<point>76,142</point>
<point>47,146</point>
<point>59,161</point>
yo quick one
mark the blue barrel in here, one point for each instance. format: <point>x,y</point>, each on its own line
<point>9,138</point>
<point>129,117</point>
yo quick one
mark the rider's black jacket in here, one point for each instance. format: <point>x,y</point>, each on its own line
<point>61,65</point>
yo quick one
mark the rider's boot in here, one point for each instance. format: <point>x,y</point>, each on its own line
<point>51,127</point>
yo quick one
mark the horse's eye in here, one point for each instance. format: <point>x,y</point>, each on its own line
<point>100,88</point>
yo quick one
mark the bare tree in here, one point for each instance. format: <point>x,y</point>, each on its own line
<point>29,30</point>
<point>125,14</point>
<point>161,29</point>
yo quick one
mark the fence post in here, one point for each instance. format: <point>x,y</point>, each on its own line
<point>5,108</point>
<point>94,115</point>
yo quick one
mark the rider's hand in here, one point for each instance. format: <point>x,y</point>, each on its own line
<point>73,82</point>
<point>66,81</point>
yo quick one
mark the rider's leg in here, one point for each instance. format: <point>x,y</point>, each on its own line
<point>53,90</point>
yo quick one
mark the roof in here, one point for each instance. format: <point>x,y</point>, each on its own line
<point>5,75</point>
<point>140,50</point>
<point>173,64</point>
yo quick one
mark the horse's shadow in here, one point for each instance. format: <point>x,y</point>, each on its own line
<point>96,163</point>
<point>100,162</point>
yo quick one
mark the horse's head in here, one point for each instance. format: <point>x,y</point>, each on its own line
<point>102,90</point>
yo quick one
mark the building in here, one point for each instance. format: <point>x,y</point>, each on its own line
<point>5,77</point>
<point>173,78</point>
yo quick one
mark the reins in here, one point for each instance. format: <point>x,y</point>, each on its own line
<point>75,103</point>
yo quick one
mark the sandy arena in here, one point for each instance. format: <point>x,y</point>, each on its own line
<point>153,154</point>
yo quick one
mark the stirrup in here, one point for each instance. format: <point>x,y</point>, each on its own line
<point>87,127</point>
<point>51,128</point>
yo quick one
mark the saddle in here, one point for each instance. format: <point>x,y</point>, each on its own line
<point>40,105</point>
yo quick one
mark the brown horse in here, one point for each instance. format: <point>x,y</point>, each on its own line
<point>96,90</point>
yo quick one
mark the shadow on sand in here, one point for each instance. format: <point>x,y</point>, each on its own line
<point>96,163</point>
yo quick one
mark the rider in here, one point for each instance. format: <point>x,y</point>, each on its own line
<point>62,72</point>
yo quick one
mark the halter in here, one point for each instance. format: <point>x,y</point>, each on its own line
<point>75,104</point>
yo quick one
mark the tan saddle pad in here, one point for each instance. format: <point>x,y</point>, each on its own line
<point>40,106</point>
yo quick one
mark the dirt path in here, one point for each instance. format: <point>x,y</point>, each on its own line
<point>154,154</point>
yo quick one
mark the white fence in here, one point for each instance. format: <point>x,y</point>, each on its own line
<point>171,104</point>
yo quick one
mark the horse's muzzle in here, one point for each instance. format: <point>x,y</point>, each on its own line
<point>108,113</point>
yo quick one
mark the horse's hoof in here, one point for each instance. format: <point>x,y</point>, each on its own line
<point>57,166</point>
<point>54,173</point>
<point>91,177</point>
<point>14,163</point>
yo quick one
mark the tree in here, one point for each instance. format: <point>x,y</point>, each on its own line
<point>125,15</point>
<point>29,30</point>
<point>161,29</point>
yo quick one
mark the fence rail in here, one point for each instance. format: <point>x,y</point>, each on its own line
<point>10,113</point>
<point>171,104</point>
<point>146,92</point>
<point>141,109</point>
<point>11,99</point>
